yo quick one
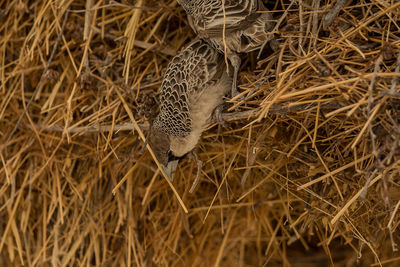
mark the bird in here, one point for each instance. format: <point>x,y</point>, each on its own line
<point>191,93</point>
<point>230,26</point>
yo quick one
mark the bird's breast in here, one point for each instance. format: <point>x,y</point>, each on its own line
<point>201,107</point>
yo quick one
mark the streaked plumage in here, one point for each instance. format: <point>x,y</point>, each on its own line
<point>193,86</point>
<point>246,29</point>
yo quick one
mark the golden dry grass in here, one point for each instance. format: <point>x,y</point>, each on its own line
<point>307,174</point>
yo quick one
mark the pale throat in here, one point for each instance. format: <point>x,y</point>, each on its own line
<point>180,146</point>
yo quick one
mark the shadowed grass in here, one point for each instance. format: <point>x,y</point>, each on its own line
<point>306,174</point>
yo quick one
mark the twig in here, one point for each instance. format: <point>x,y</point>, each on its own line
<point>370,101</point>
<point>316,5</point>
<point>328,19</point>
<point>236,116</point>
<point>389,226</point>
<point>365,188</point>
<point>227,117</point>
<point>199,165</point>
<point>372,83</point>
<point>371,114</point>
<point>86,30</point>
<point>395,78</point>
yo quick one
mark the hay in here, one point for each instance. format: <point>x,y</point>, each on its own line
<point>306,174</point>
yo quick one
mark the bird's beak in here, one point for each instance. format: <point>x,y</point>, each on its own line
<point>170,169</point>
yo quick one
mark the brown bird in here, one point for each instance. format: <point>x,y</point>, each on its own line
<point>193,87</point>
<point>235,25</point>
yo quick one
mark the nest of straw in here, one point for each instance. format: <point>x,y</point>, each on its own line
<point>306,174</point>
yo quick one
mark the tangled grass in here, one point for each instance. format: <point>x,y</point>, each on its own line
<point>306,174</point>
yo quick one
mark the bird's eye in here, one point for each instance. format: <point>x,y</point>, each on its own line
<point>172,157</point>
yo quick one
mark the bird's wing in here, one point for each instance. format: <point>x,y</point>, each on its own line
<point>239,14</point>
<point>190,72</point>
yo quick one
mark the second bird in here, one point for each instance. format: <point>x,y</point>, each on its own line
<point>239,26</point>
<point>193,87</point>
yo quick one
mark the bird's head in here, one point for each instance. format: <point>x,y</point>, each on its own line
<point>160,144</point>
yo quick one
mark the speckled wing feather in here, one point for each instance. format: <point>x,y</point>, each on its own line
<point>189,72</point>
<point>209,15</point>
<point>245,27</point>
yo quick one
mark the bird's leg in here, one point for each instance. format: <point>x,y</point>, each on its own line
<point>199,165</point>
<point>262,49</point>
<point>218,116</point>
<point>235,61</point>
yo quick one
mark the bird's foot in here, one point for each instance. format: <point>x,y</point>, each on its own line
<point>218,116</point>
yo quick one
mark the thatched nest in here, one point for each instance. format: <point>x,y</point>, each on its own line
<point>306,174</point>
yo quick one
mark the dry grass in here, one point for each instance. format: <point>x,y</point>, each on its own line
<point>306,175</point>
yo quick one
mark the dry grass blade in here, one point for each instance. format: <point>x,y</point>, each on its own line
<point>139,131</point>
<point>316,140</point>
